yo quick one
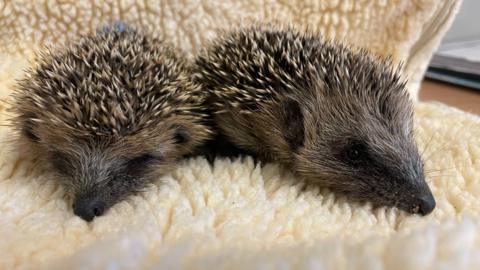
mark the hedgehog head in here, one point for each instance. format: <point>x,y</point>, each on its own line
<point>350,129</point>
<point>369,153</point>
<point>109,112</point>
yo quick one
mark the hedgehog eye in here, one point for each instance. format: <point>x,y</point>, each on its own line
<point>138,164</point>
<point>61,163</point>
<point>355,153</point>
<point>140,160</point>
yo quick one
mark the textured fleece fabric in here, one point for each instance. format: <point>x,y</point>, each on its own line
<point>238,214</point>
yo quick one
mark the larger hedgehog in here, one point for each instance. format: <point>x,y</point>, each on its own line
<point>109,112</point>
<point>338,117</point>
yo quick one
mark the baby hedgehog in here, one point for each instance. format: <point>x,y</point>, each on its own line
<point>109,112</point>
<point>338,117</point>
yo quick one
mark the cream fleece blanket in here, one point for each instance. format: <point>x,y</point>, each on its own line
<point>237,214</point>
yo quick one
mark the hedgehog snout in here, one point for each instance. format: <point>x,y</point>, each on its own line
<point>89,207</point>
<point>421,203</point>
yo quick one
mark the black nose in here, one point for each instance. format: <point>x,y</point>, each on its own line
<point>423,205</point>
<point>88,208</point>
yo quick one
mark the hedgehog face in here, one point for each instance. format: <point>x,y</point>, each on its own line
<point>97,179</point>
<point>99,171</point>
<point>370,155</point>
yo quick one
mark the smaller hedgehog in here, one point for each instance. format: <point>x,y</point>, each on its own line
<point>109,112</point>
<point>338,117</point>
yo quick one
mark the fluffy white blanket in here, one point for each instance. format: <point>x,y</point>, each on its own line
<point>237,214</point>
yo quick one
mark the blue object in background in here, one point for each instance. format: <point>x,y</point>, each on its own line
<point>117,26</point>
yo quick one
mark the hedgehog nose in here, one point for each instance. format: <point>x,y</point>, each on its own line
<point>88,208</point>
<point>423,204</point>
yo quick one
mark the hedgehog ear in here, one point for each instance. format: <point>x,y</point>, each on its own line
<point>180,135</point>
<point>28,132</point>
<point>293,126</point>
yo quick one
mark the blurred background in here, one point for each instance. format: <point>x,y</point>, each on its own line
<point>453,76</point>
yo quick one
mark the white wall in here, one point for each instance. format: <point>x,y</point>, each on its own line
<point>467,23</point>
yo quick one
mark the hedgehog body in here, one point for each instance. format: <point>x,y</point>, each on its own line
<point>109,111</point>
<point>337,116</point>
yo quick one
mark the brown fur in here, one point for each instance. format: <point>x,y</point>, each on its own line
<point>109,112</point>
<point>289,96</point>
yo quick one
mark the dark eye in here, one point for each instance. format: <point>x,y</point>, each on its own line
<point>138,165</point>
<point>355,153</point>
<point>141,160</point>
<point>61,163</point>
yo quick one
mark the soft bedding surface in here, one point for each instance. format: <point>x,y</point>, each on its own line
<point>238,214</point>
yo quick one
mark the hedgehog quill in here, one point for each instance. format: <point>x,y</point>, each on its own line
<point>109,112</point>
<point>339,117</point>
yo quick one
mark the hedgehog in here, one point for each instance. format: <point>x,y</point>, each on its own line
<point>109,112</point>
<point>338,116</point>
